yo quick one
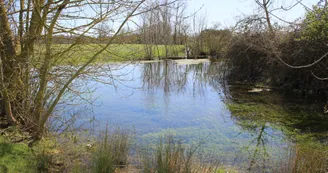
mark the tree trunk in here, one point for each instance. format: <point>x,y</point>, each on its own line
<point>8,65</point>
<point>267,17</point>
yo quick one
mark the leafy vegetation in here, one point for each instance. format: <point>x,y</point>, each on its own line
<point>315,25</point>
<point>277,61</point>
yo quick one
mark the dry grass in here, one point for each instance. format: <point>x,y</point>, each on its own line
<point>111,152</point>
<point>306,158</point>
<point>171,156</point>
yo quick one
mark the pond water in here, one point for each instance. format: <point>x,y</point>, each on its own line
<point>187,99</point>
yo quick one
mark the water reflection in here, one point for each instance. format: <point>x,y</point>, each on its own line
<point>173,78</point>
<point>260,154</point>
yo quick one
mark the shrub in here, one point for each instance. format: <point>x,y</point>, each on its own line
<point>247,61</point>
<point>258,57</point>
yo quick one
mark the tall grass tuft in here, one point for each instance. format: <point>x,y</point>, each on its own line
<point>171,156</point>
<point>111,152</point>
<point>44,162</point>
<point>305,158</point>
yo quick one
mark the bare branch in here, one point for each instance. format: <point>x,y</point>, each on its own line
<point>302,66</point>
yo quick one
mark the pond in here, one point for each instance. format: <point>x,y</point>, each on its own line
<point>191,100</point>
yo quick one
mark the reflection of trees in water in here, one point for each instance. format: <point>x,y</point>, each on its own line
<point>258,159</point>
<point>172,77</point>
<point>259,149</point>
<point>292,156</point>
<point>216,78</point>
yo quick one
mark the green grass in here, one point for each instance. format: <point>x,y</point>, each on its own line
<point>19,157</point>
<point>114,53</point>
<point>15,157</point>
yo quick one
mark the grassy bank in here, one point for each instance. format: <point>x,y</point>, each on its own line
<point>117,151</point>
<point>115,52</point>
<point>15,157</point>
<point>111,152</point>
<point>18,156</point>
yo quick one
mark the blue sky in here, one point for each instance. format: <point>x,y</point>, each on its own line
<point>226,11</point>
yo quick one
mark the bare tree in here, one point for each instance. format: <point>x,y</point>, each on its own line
<point>149,31</point>
<point>32,83</point>
<point>163,26</point>
<point>198,25</point>
<point>265,4</point>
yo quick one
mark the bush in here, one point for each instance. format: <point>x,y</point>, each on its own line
<point>258,58</point>
<point>302,52</point>
<point>246,59</point>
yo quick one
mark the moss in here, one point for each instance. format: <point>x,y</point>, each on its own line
<point>19,157</point>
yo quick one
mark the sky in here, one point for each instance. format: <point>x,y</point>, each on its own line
<point>222,12</point>
<point>226,11</point>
